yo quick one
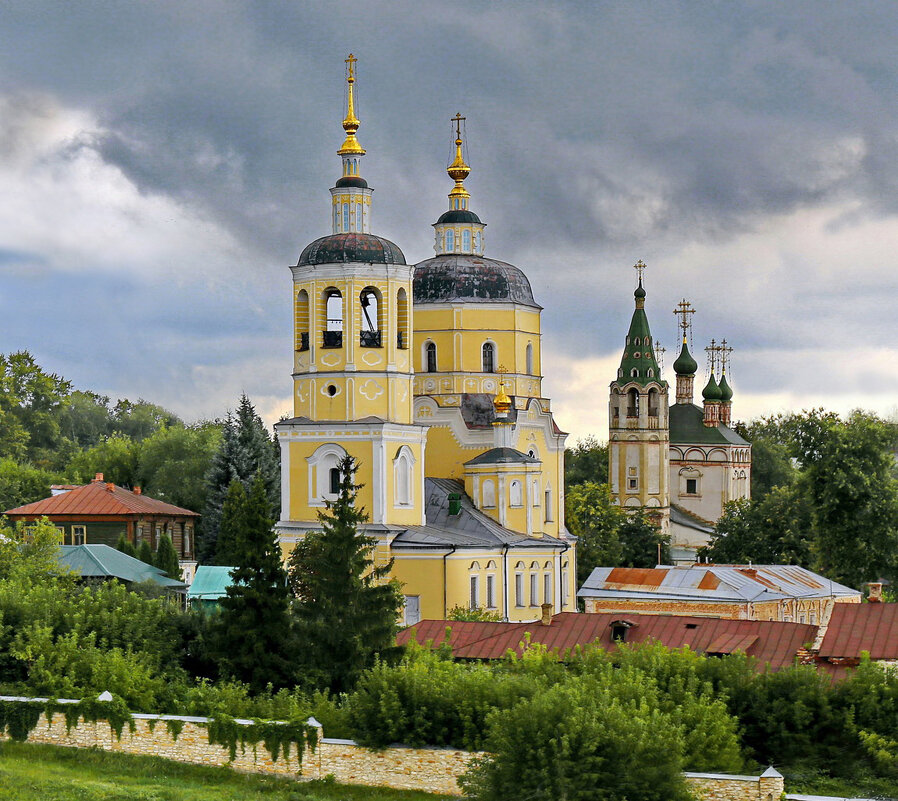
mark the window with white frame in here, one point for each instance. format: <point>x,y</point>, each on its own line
<point>515,494</point>
<point>519,584</point>
<point>474,601</point>
<point>403,476</point>
<point>534,584</point>
<point>489,494</point>
<point>324,473</point>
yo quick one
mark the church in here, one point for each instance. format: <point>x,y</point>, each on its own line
<point>429,376</point>
<point>680,462</point>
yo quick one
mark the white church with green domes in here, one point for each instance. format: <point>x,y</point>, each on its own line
<point>681,462</point>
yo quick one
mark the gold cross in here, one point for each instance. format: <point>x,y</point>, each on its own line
<point>712,351</point>
<point>683,310</point>
<point>725,351</point>
<point>640,268</point>
<point>458,120</point>
<point>350,62</point>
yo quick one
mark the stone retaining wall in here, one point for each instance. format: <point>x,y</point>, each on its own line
<point>433,770</point>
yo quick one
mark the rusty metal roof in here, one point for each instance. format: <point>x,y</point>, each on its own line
<point>99,498</point>
<point>340,248</point>
<point>734,583</point>
<point>861,627</point>
<point>771,642</point>
<point>451,278</point>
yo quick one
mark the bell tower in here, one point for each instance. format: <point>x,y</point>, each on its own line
<point>638,422</point>
<point>352,375</point>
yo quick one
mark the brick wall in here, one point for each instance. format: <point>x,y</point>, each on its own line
<point>432,770</point>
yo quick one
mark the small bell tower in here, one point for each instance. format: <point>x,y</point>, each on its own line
<point>638,421</point>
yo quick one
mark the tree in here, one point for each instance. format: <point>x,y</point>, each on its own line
<point>253,633</point>
<point>85,418</point>
<point>139,420</point>
<point>173,461</point>
<point>346,610</point>
<point>592,517</point>
<point>849,466</point>
<point>114,457</point>
<point>586,461</point>
<point>233,523</point>
<point>22,483</point>
<point>167,558</point>
<point>145,553</point>
<point>642,543</point>
<point>775,530</point>
<point>126,547</point>
<point>245,451</point>
<point>772,458</point>
<point>29,405</point>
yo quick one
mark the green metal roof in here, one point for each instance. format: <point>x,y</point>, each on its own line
<point>687,427</point>
<point>639,351</point>
<point>726,391</point>
<point>685,364</point>
<point>104,562</point>
<point>210,583</point>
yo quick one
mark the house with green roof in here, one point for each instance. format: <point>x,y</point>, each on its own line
<point>96,563</point>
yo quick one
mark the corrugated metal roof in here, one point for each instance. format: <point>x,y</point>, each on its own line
<point>99,498</point>
<point>101,561</point>
<point>210,583</point>
<point>737,583</point>
<point>861,627</point>
<point>687,427</point>
<point>770,641</point>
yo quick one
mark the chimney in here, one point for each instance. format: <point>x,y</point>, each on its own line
<point>110,487</point>
<point>454,503</point>
<point>547,614</point>
<point>874,592</point>
<point>98,479</point>
<point>137,491</point>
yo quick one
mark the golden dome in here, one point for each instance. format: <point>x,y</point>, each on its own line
<point>350,123</point>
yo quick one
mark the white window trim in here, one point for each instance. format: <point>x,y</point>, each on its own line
<point>327,456</point>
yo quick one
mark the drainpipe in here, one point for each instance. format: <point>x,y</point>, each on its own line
<point>560,573</point>
<point>505,578</point>
<point>446,556</point>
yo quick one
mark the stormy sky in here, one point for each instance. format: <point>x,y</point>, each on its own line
<point>161,165</point>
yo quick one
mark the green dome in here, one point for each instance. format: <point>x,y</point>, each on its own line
<point>640,292</point>
<point>726,391</point>
<point>711,392</point>
<point>685,364</point>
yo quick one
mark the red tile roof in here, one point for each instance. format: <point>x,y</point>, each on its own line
<point>99,498</point>
<point>771,642</point>
<point>861,627</point>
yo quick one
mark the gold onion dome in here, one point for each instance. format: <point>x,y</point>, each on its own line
<point>502,403</point>
<point>350,123</point>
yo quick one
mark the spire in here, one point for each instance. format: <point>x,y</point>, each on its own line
<point>350,123</point>
<point>458,170</point>
<point>711,392</point>
<point>685,366</point>
<point>639,362</point>
<point>459,230</point>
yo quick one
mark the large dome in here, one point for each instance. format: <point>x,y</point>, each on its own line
<point>365,248</point>
<point>456,277</point>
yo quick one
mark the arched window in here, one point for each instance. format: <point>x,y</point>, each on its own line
<point>333,328</point>
<point>450,240</point>
<point>324,473</point>
<point>515,496</point>
<point>302,320</point>
<point>430,357</point>
<point>336,218</point>
<point>358,217</point>
<point>477,241</point>
<point>372,317</point>
<point>403,477</point>
<point>466,241</point>
<point>519,584</point>
<point>536,492</point>
<point>489,494</point>
<point>529,358</point>
<point>402,337</point>
<point>534,584</point>
<point>345,218</point>
<point>489,357</point>
<point>633,403</point>
<point>653,402</point>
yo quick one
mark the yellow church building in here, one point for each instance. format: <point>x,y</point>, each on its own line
<point>429,376</point>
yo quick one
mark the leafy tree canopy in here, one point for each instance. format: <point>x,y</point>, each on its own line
<point>586,461</point>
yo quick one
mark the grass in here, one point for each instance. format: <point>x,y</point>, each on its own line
<point>31,772</point>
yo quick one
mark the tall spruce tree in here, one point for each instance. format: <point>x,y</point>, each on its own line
<point>246,451</point>
<point>252,636</point>
<point>346,610</point>
<point>167,558</point>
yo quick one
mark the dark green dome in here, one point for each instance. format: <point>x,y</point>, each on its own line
<point>685,364</point>
<point>352,180</point>
<point>726,391</point>
<point>351,247</point>
<point>711,392</point>
<point>640,292</point>
<point>458,216</point>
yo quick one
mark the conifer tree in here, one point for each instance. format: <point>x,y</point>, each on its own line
<point>346,611</point>
<point>167,558</point>
<point>126,546</point>
<point>145,553</point>
<point>252,636</point>
<point>246,451</point>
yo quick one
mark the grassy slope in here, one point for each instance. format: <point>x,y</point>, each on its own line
<point>47,773</point>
